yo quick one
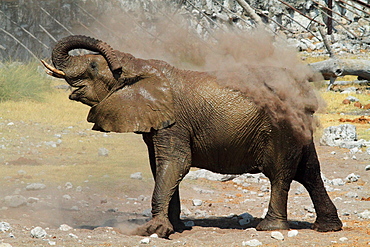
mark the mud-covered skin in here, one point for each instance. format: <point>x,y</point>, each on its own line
<point>188,120</point>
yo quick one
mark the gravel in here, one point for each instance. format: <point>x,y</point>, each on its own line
<point>38,232</point>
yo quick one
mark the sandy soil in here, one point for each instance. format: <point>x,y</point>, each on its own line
<point>104,203</point>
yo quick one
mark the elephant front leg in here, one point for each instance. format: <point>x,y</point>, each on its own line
<point>276,217</point>
<point>170,162</point>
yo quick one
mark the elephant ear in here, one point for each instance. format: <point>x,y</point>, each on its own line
<point>138,107</point>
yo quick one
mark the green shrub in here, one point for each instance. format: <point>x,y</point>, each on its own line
<point>20,81</point>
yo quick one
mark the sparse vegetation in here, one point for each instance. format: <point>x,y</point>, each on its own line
<point>19,82</point>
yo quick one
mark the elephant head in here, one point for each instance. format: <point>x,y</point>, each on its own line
<point>134,97</point>
<point>93,75</point>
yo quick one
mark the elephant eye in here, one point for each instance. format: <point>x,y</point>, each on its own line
<point>94,65</point>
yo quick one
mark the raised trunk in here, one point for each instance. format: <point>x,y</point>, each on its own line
<point>62,60</point>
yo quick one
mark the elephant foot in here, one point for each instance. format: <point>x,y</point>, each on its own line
<point>161,226</point>
<point>328,225</point>
<point>272,224</point>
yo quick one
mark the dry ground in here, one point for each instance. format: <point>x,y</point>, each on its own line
<point>104,204</point>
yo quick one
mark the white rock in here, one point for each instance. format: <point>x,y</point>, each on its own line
<point>337,182</point>
<point>197,202</point>
<point>202,173</point>
<point>36,186</point>
<point>67,197</point>
<point>277,235</point>
<point>136,175</point>
<point>352,178</point>
<point>352,194</point>
<point>145,241</point>
<point>253,242</point>
<point>367,168</point>
<point>292,233</point>
<point>52,242</point>
<point>4,226</point>
<point>15,201</point>
<point>38,232</point>
<point>32,200</point>
<point>364,215</point>
<point>343,239</point>
<point>68,186</point>
<point>73,235</point>
<point>103,152</point>
<point>154,235</point>
<point>337,135</point>
<point>65,227</point>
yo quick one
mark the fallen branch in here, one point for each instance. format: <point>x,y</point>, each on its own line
<point>334,67</point>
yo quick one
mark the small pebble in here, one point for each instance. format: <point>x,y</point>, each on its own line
<point>197,202</point>
<point>38,232</point>
<point>65,227</point>
<point>73,235</point>
<point>136,175</point>
<point>253,242</point>
<point>292,233</point>
<point>277,235</point>
<point>145,241</point>
<point>367,168</point>
<point>154,235</point>
<point>343,239</point>
<point>4,226</point>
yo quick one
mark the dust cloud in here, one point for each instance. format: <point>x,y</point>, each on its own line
<point>251,60</point>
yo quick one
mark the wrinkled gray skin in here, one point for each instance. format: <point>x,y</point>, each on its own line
<point>188,120</point>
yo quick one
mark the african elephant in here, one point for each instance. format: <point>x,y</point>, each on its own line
<point>188,120</point>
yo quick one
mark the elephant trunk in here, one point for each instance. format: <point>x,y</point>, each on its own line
<point>62,60</point>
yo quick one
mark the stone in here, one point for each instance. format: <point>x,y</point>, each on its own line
<point>352,99</point>
<point>337,135</point>
<point>351,178</point>
<point>197,202</point>
<point>253,242</point>
<point>15,201</point>
<point>292,233</point>
<point>68,186</point>
<point>337,182</point>
<point>136,175</point>
<point>154,235</point>
<point>367,168</point>
<point>4,226</point>
<point>343,239</point>
<point>38,232</point>
<point>103,152</point>
<point>65,227</point>
<point>145,241</point>
<point>202,173</point>
<point>73,235</point>
<point>277,235</point>
<point>36,186</point>
<point>32,200</point>
<point>364,215</point>
<point>349,90</point>
<point>147,212</point>
<point>352,194</point>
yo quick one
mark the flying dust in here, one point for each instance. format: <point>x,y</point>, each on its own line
<point>250,60</point>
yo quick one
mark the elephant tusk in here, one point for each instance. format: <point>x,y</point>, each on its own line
<point>53,71</point>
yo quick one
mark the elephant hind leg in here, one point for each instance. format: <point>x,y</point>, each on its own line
<point>308,174</point>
